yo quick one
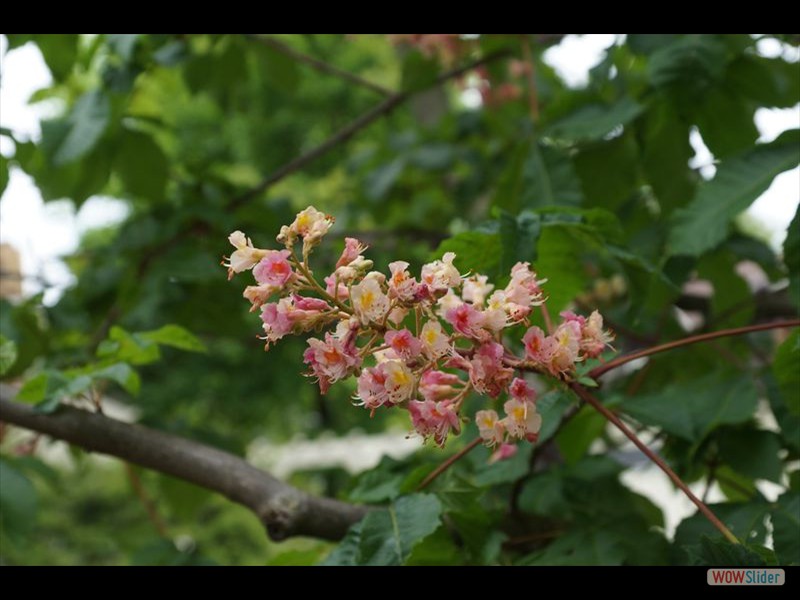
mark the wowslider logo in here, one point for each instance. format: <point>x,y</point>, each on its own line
<point>746,577</point>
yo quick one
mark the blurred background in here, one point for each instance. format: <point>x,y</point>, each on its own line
<point>128,159</point>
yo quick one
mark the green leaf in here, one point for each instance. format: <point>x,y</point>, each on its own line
<point>280,69</point>
<point>122,373</point>
<point>128,347</point>
<point>752,452</point>
<point>142,165</point>
<point>419,71</point>
<point>538,176</point>
<point>346,553</point>
<point>388,536</point>
<point>42,387</point>
<point>4,174</point>
<point>786,368</point>
<point>67,140</point>
<point>608,171</point>
<point>726,123</point>
<point>665,155</point>
<point>380,181</point>
<point>786,527</point>
<point>175,336</point>
<point>580,547</point>
<point>551,407</point>
<point>791,258</point>
<point>594,121</point>
<point>8,354</point>
<point>721,553</point>
<point>475,250</point>
<point>745,520</point>
<point>18,501</point>
<point>738,182</point>
<point>559,260</point>
<point>519,237</point>
<point>505,471</point>
<point>693,61</point>
<point>691,409</point>
<point>767,81</point>
<point>59,51</point>
<point>577,435</point>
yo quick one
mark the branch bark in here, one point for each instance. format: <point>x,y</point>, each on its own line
<point>284,510</point>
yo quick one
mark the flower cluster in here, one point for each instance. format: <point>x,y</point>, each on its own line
<point>422,344</point>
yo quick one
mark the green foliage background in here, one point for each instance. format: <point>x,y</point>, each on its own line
<point>598,191</point>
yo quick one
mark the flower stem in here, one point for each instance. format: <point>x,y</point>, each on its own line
<point>703,337</point>
<point>584,394</point>
<point>448,463</point>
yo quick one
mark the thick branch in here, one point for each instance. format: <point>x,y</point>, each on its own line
<point>348,131</point>
<point>285,510</point>
<point>704,337</point>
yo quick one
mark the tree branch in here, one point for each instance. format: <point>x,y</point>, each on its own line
<point>348,131</point>
<point>317,64</point>
<point>704,337</point>
<point>584,395</point>
<point>446,464</point>
<point>284,510</point>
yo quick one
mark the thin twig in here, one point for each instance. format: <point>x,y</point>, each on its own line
<point>584,394</point>
<point>348,131</point>
<point>147,502</point>
<point>621,360</point>
<point>317,64</point>
<point>447,463</point>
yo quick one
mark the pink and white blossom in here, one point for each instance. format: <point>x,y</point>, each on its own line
<point>244,257</point>
<point>403,343</point>
<point>434,419</point>
<point>487,371</point>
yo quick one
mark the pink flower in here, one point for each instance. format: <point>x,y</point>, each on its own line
<point>435,419</point>
<point>402,286</point>
<point>352,249</point>
<point>389,382</point>
<point>310,224</point>
<point>567,338</point>
<point>435,342</point>
<point>437,385</point>
<point>522,420</point>
<point>245,255</point>
<point>476,289</point>
<point>505,451</point>
<point>593,338</point>
<point>520,390</point>
<point>466,320</point>
<point>568,315</point>
<point>330,360</point>
<point>538,347</point>
<point>523,289</point>
<point>441,274</point>
<point>340,293</point>
<point>491,429</point>
<point>403,343</point>
<point>259,294</point>
<point>292,314</point>
<point>274,268</point>
<point>369,301</point>
<point>487,372</point>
